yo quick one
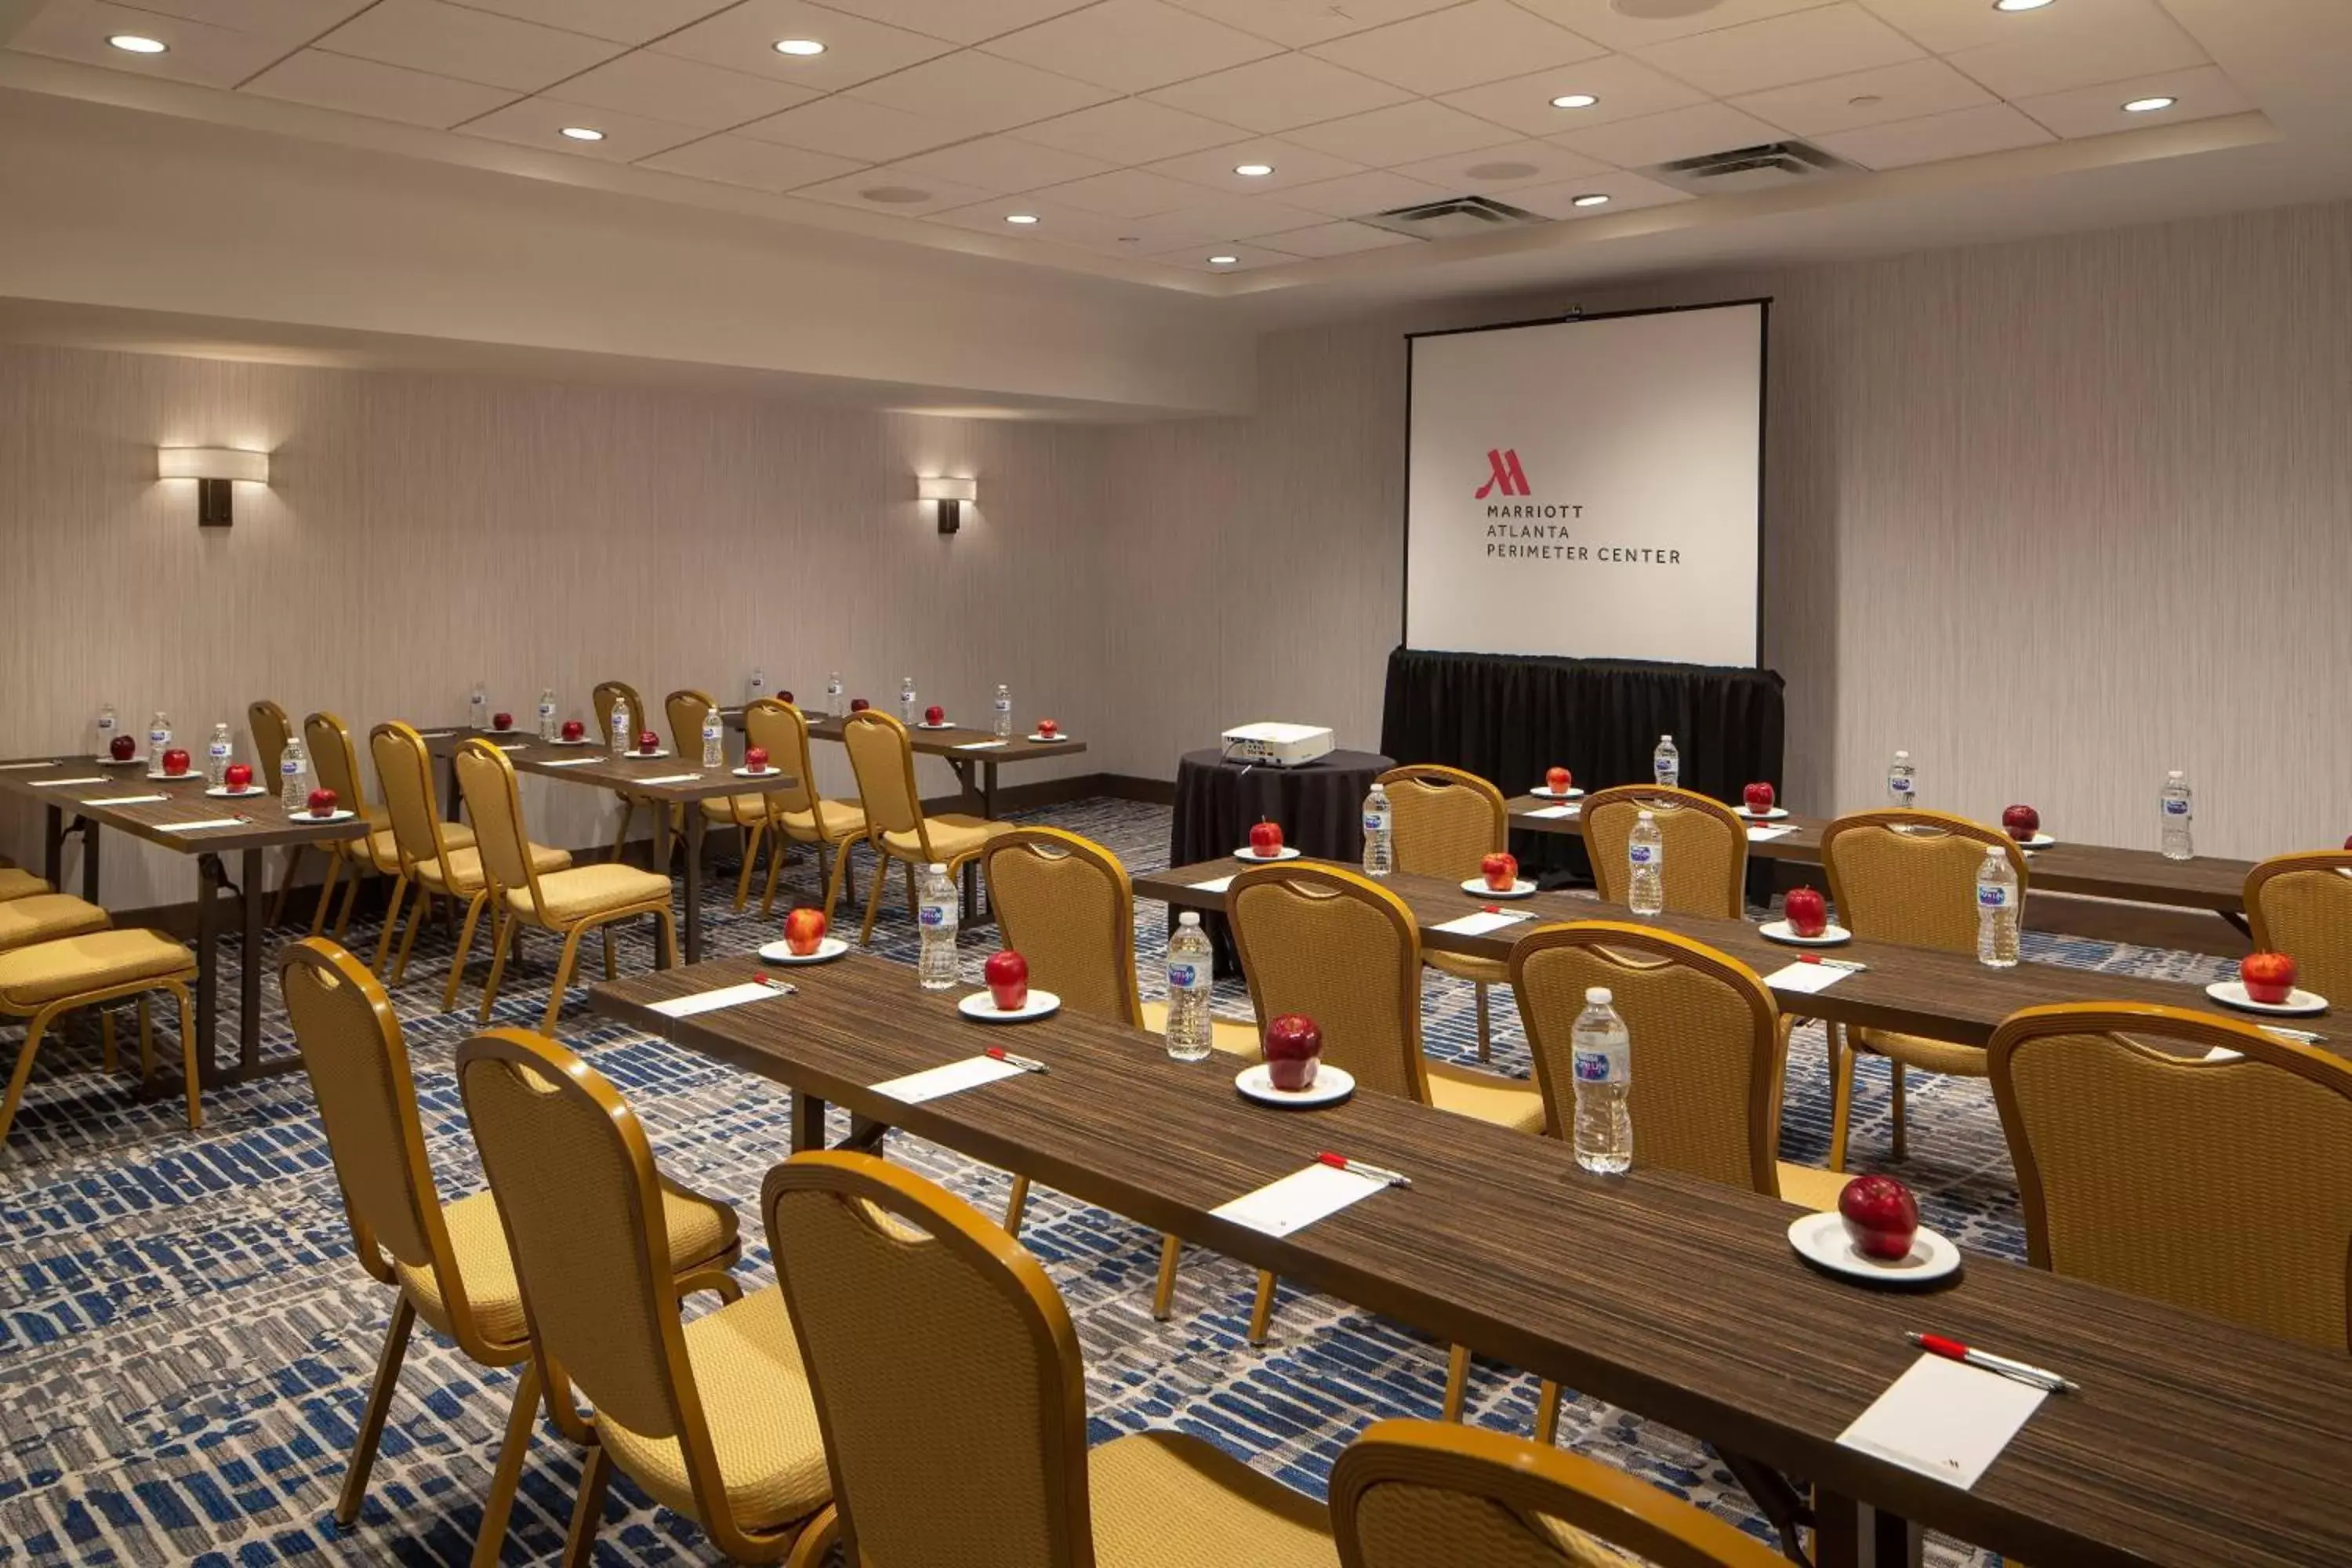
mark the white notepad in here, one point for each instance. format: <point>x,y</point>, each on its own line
<point>1777,830</point>
<point>435,734</point>
<point>1213,885</point>
<point>1945,1420</point>
<point>124,799</point>
<point>20,767</point>
<point>1806,978</point>
<point>209,822</point>
<point>671,778</point>
<point>1299,1200</point>
<point>571,762</point>
<point>511,745</point>
<point>59,784</point>
<point>982,745</point>
<point>1557,811</point>
<point>953,1079</point>
<point>711,1001</point>
<point>1480,921</point>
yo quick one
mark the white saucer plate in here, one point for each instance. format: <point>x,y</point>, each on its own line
<point>132,761</point>
<point>1832,935</point>
<point>2039,841</point>
<point>174,778</point>
<point>1331,1086</point>
<point>1774,815</point>
<point>583,740</point>
<point>763,773</point>
<point>1821,1240</point>
<point>341,814</point>
<point>1047,739</point>
<point>2298,1004</point>
<point>828,950</point>
<point>647,756</point>
<point>1285,853</point>
<point>927,724</point>
<point>222,792</point>
<point>1519,890</point>
<point>981,1008</point>
<point>1541,793</point>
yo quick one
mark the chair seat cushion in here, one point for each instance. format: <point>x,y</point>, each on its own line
<point>841,819</point>
<point>17,883</point>
<point>1233,1039</point>
<point>464,872</point>
<point>567,898</point>
<point>1485,971</point>
<point>1504,1101</point>
<point>700,1229</point>
<point>1811,1187</point>
<point>47,916</point>
<point>1164,1499</point>
<point>381,849</point>
<point>736,809</point>
<point>32,977</point>
<point>953,838</point>
<point>1931,1055</point>
<point>762,1417</point>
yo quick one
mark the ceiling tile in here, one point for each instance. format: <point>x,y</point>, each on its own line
<point>1356,195</point>
<point>622,21</point>
<point>850,127</point>
<point>977,93</point>
<point>734,159</point>
<point>1129,130</point>
<point>1946,26</point>
<point>1293,165</point>
<point>1626,193</point>
<point>1677,133</point>
<point>1298,23</point>
<point>1483,41</point>
<point>1624,87</point>
<point>1219,219</point>
<point>1963,133</point>
<point>963,21</point>
<point>1908,91</point>
<point>1126,193</point>
<point>2073,54</point>
<point>1333,239</point>
<point>216,57</point>
<point>1493,170</point>
<point>472,46</point>
<point>744,38</point>
<point>539,122</point>
<point>1800,47</point>
<point>1130,44</point>
<point>288,21</point>
<point>1387,137</point>
<point>379,91</point>
<point>1603,22</point>
<point>1246,258</point>
<point>884,190</point>
<point>1278,93</point>
<point>1000,163</point>
<point>687,92</point>
<point>2098,110</point>
<point>1054,225</point>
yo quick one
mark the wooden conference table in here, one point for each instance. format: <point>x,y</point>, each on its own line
<point>2142,876</point>
<point>2193,1444</point>
<point>264,827</point>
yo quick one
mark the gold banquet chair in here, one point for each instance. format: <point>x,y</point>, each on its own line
<point>1704,841</point>
<point>1339,948</point>
<point>45,916</point>
<point>15,882</point>
<point>1414,1494</point>
<point>608,695</point>
<point>2301,905</point>
<point>1443,823</point>
<point>2220,1183</point>
<point>269,729</point>
<point>448,1260</point>
<point>1066,905</point>
<point>433,857</point>
<point>568,903</point>
<point>952,1395</point>
<point>798,814</point>
<point>1906,877</point>
<point>884,761</point>
<point>42,980</point>
<point>714,1419</point>
<point>746,814</point>
<point>335,763</point>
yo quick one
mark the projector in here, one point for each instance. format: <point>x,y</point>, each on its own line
<point>1277,745</point>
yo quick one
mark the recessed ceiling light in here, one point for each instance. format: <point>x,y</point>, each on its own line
<point>2019,4</point>
<point>582,134</point>
<point>139,44</point>
<point>1253,171</point>
<point>1574,100</point>
<point>799,47</point>
<point>2148,105</point>
<point>1021,217</point>
<point>1594,200</point>
<point>1223,260</point>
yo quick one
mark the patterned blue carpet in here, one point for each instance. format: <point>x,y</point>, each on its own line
<point>186,1341</point>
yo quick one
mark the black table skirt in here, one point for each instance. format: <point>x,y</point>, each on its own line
<point>1319,807</point>
<point>1508,717</point>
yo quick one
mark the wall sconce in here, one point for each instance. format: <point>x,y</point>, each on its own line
<point>950,494</point>
<point>212,467</point>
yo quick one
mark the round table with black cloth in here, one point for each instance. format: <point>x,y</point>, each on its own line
<point>1320,808</point>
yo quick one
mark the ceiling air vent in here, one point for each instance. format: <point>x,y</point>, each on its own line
<point>1762,168</point>
<point>1453,217</point>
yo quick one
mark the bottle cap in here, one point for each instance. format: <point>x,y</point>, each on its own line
<point>1666,739</point>
<point>1189,917</point>
<point>1597,996</point>
<point>943,870</point>
<point>2173,774</point>
<point>1902,756</point>
<point>1646,816</point>
<point>1995,852</point>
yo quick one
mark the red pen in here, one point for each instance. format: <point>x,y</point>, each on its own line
<point>1358,1168</point>
<point>2023,1371</point>
<point>779,987</point>
<point>1027,1064</point>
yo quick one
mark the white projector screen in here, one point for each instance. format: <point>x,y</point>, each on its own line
<point>1590,487</point>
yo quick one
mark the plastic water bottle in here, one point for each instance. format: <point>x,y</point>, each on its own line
<point>1997,910</point>
<point>937,908</point>
<point>1604,1080</point>
<point>1379,858</point>
<point>1190,962</point>
<point>1004,712</point>
<point>1645,855</point>
<point>2180,809</point>
<point>907,714</point>
<point>1902,782</point>
<point>833,695</point>
<point>159,741</point>
<point>478,705</point>
<point>1668,763</point>
<point>216,757</point>
<point>106,725</point>
<point>714,739</point>
<point>623,730</point>
<point>294,777</point>
<point>547,729</point>
<point>755,688</point>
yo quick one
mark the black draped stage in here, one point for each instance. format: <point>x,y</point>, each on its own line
<point>1508,717</point>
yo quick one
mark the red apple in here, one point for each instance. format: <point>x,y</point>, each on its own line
<point>236,776</point>
<point>175,762</point>
<point>1265,840</point>
<point>1759,797</point>
<point>123,747</point>
<point>1007,974</point>
<point>1049,728</point>
<point>804,928</point>
<point>1501,871</point>
<point>1293,1045</point>
<point>2268,976</point>
<point>858,705</point>
<point>756,758</point>
<point>502,721</point>
<point>786,699</point>
<point>322,803</point>
<point>2347,841</point>
<point>648,742</point>
<point>1881,1216</point>
<point>574,730</point>
<point>1557,780</point>
<point>2022,822</point>
<point>934,714</point>
<point>1807,912</point>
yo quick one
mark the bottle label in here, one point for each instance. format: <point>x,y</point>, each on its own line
<point>1595,1066</point>
<point>1376,822</point>
<point>290,768</point>
<point>220,751</point>
<point>1993,896</point>
<point>1667,773</point>
<point>1183,974</point>
<point>159,737</point>
<point>1643,854</point>
<point>937,916</point>
<point>1005,705</point>
<point>2175,807</point>
<point>547,710</point>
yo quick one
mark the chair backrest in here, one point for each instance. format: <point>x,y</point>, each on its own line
<point>1911,876</point>
<point>948,1377</point>
<point>334,759</point>
<point>1341,949</point>
<point>685,708</point>
<point>780,730</point>
<point>270,728</point>
<point>2301,905</point>
<point>884,761</point>
<point>1708,1045</point>
<point>609,692</point>
<point>486,779</point>
<point>1704,842</point>
<point>2224,1186</point>
<point>1410,1494</point>
<point>1443,821</point>
<point>1065,903</point>
<point>403,767</point>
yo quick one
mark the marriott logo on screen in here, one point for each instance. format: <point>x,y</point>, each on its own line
<point>1528,529</point>
<point>1502,468</point>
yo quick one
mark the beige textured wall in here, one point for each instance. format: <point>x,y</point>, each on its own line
<point>420,531</point>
